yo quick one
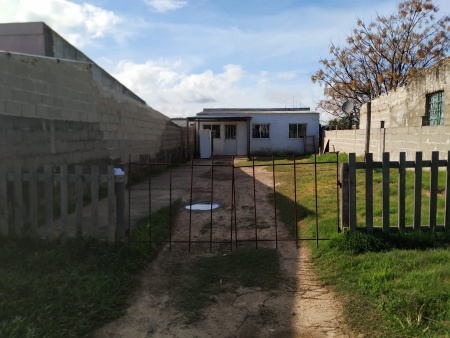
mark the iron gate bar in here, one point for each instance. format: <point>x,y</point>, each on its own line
<point>234,207</point>
<point>275,202</point>
<point>150,202</point>
<point>211,203</point>
<point>254,204</point>
<point>295,204</point>
<point>337,191</point>
<point>233,215</point>
<point>316,192</point>
<point>265,240</point>
<point>232,203</point>
<point>129,197</point>
<point>170,203</point>
<point>190,201</point>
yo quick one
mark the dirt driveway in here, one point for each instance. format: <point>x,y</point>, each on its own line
<point>303,307</point>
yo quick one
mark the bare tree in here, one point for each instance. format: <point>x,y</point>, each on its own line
<point>383,55</point>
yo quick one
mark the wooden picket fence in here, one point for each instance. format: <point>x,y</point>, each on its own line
<point>349,192</point>
<point>51,203</point>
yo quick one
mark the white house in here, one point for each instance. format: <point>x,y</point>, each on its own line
<point>256,131</point>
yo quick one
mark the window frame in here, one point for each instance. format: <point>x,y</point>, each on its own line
<point>435,108</point>
<point>297,131</point>
<point>210,125</point>
<point>261,133</point>
<point>231,131</point>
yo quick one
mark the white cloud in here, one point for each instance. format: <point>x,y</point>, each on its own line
<point>163,6</point>
<point>286,75</point>
<point>166,87</point>
<point>78,23</point>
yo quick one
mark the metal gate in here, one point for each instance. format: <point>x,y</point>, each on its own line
<point>229,202</point>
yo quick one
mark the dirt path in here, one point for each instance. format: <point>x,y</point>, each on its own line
<point>300,307</point>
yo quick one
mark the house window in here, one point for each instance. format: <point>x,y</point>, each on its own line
<point>297,130</point>
<point>260,131</point>
<point>435,109</point>
<point>230,132</point>
<point>215,129</point>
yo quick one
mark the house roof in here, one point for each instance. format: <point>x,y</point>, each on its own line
<point>243,114</point>
<point>244,111</point>
<point>220,117</point>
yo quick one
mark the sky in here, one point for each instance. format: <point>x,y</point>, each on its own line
<point>182,56</point>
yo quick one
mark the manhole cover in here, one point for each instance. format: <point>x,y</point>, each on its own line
<point>202,206</point>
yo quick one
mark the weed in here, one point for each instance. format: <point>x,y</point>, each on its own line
<point>205,228</point>
<point>267,316</point>
<point>149,233</point>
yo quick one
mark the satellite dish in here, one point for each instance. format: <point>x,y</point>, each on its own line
<point>347,106</point>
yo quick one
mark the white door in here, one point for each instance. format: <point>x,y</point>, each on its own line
<point>205,143</point>
<point>230,146</point>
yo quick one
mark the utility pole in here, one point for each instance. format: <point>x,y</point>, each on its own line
<point>369,118</point>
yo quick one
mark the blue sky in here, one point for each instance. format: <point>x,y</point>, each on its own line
<point>181,56</point>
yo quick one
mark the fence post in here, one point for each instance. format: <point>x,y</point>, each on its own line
<point>344,196</point>
<point>79,200</point>
<point>33,198</point>
<point>385,188</point>
<point>352,190</point>
<point>18,201</point>
<point>433,188</point>
<point>94,201</point>
<point>120,203</point>
<point>369,192</point>
<point>64,189</point>
<point>3,201</point>
<point>111,206</point>
<point>48,182</point>
<point>447,195</point>
<point>401,190</point>
<point>418,191</point>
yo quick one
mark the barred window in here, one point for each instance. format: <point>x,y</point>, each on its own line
<point>435,109</point>
<point>297,130</point>
<point>215,129</point>
<point>230,132</point>
<point>260,131</point>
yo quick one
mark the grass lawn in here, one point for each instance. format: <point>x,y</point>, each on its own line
<point>395,285</point>
<point>69,290</point>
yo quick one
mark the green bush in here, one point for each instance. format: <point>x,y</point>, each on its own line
<point>357,242</point>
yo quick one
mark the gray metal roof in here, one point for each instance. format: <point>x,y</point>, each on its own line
<point>221,117</point>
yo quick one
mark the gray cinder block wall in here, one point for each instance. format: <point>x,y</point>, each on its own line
<point>406,106</point>
<point>402,111</point>
<point>393,140</point>
<point>55,111</point>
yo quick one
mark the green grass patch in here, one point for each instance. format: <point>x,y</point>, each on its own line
<point>395,284</point>
<point>359,242</point>
<point>50,289</point>
<point>209,276</point>
<point>54,290</point>
<point>305,209</point>
<point>392,293</point>
<point>146,237</point>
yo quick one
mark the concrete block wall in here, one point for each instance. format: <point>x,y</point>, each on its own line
<point>29,141</point>
<point>393,140</point>
<point>73,112</point>
<point>405,106</point>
